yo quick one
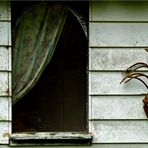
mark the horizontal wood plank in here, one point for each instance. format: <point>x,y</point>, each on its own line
<point>50,135</point>
<point>118,34</point>
<point>119,131</point>
<point>117,107</point>
<point>5,33</point>
<point>111,145</point>
<point>137,145</point>
<point>5,58</point>
<point>119,11</point>
<point>5,131</point>
<point>5,108</point>
<point>5,11</point>
<point>108,83</point>
<point>116,58</point>
<point>5,82</point>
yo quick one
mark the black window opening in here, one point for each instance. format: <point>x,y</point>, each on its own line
<point>58,102</point>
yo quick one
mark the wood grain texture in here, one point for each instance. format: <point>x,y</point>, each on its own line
<point>118,34</point>
<point>116,58</point>
<point>50,135</point>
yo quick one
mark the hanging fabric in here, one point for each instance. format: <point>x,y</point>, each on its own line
<point>35,39</point>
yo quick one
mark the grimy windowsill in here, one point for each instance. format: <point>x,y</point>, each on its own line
<point>51,138</point>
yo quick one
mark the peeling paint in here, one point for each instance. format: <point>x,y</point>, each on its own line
<point>4,27</point>
<point>50,135</point>
<point>116,58</point>
<point>118,34</point>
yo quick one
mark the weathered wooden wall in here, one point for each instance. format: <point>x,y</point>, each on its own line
<point>5,72</point>
<point>117,38</point>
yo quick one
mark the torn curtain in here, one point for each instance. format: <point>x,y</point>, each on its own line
<point>35,38</point>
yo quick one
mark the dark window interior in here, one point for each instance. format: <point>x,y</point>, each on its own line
<point>58,102</point>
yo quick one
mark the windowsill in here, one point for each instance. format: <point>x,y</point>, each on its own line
<point>50,138</point>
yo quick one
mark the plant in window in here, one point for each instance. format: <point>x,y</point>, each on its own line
<point>132,73</point>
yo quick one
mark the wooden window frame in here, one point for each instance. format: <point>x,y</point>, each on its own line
<point>52,138</point>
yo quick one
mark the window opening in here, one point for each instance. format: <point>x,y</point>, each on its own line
<point>57,103</point>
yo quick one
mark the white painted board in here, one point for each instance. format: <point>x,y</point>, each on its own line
<point>5,131</point>
<point>119,131</point>
<point>5,33</point>
<point>116,58</point>
<point>125,145</point>
<point>5,108</point>
<point>117,107</point>
<point>106,83</point>
<point>5,10</point>
<point>119,11</point>
<point>118,34</point>
<point>4,84</point>
<point>5,58</point>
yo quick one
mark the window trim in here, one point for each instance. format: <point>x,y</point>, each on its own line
<point>50,138</point>
<point>55,138</point>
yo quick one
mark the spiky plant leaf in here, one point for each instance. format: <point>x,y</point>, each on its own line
<point>136,66</point>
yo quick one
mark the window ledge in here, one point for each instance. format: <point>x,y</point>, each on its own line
<point>50,138</point>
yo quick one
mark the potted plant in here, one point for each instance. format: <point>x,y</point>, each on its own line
<point>132,73</point>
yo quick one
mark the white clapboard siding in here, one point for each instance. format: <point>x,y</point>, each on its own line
<point>5,130</point>
<point>5,33</point>
<point>5,58</point>
<point>119,11</point>
<point>118,34</point>
<point>116,58</point>
<point>5,108</point>
<point>105,83</point>
<point>5,82</point>
<point>120,131</point>
<point>5,12</point>
<point>117,39</point>
<point>117,107</point>
<point>5,72</point>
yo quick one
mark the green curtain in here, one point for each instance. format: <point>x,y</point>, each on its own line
<point>34,40</point>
